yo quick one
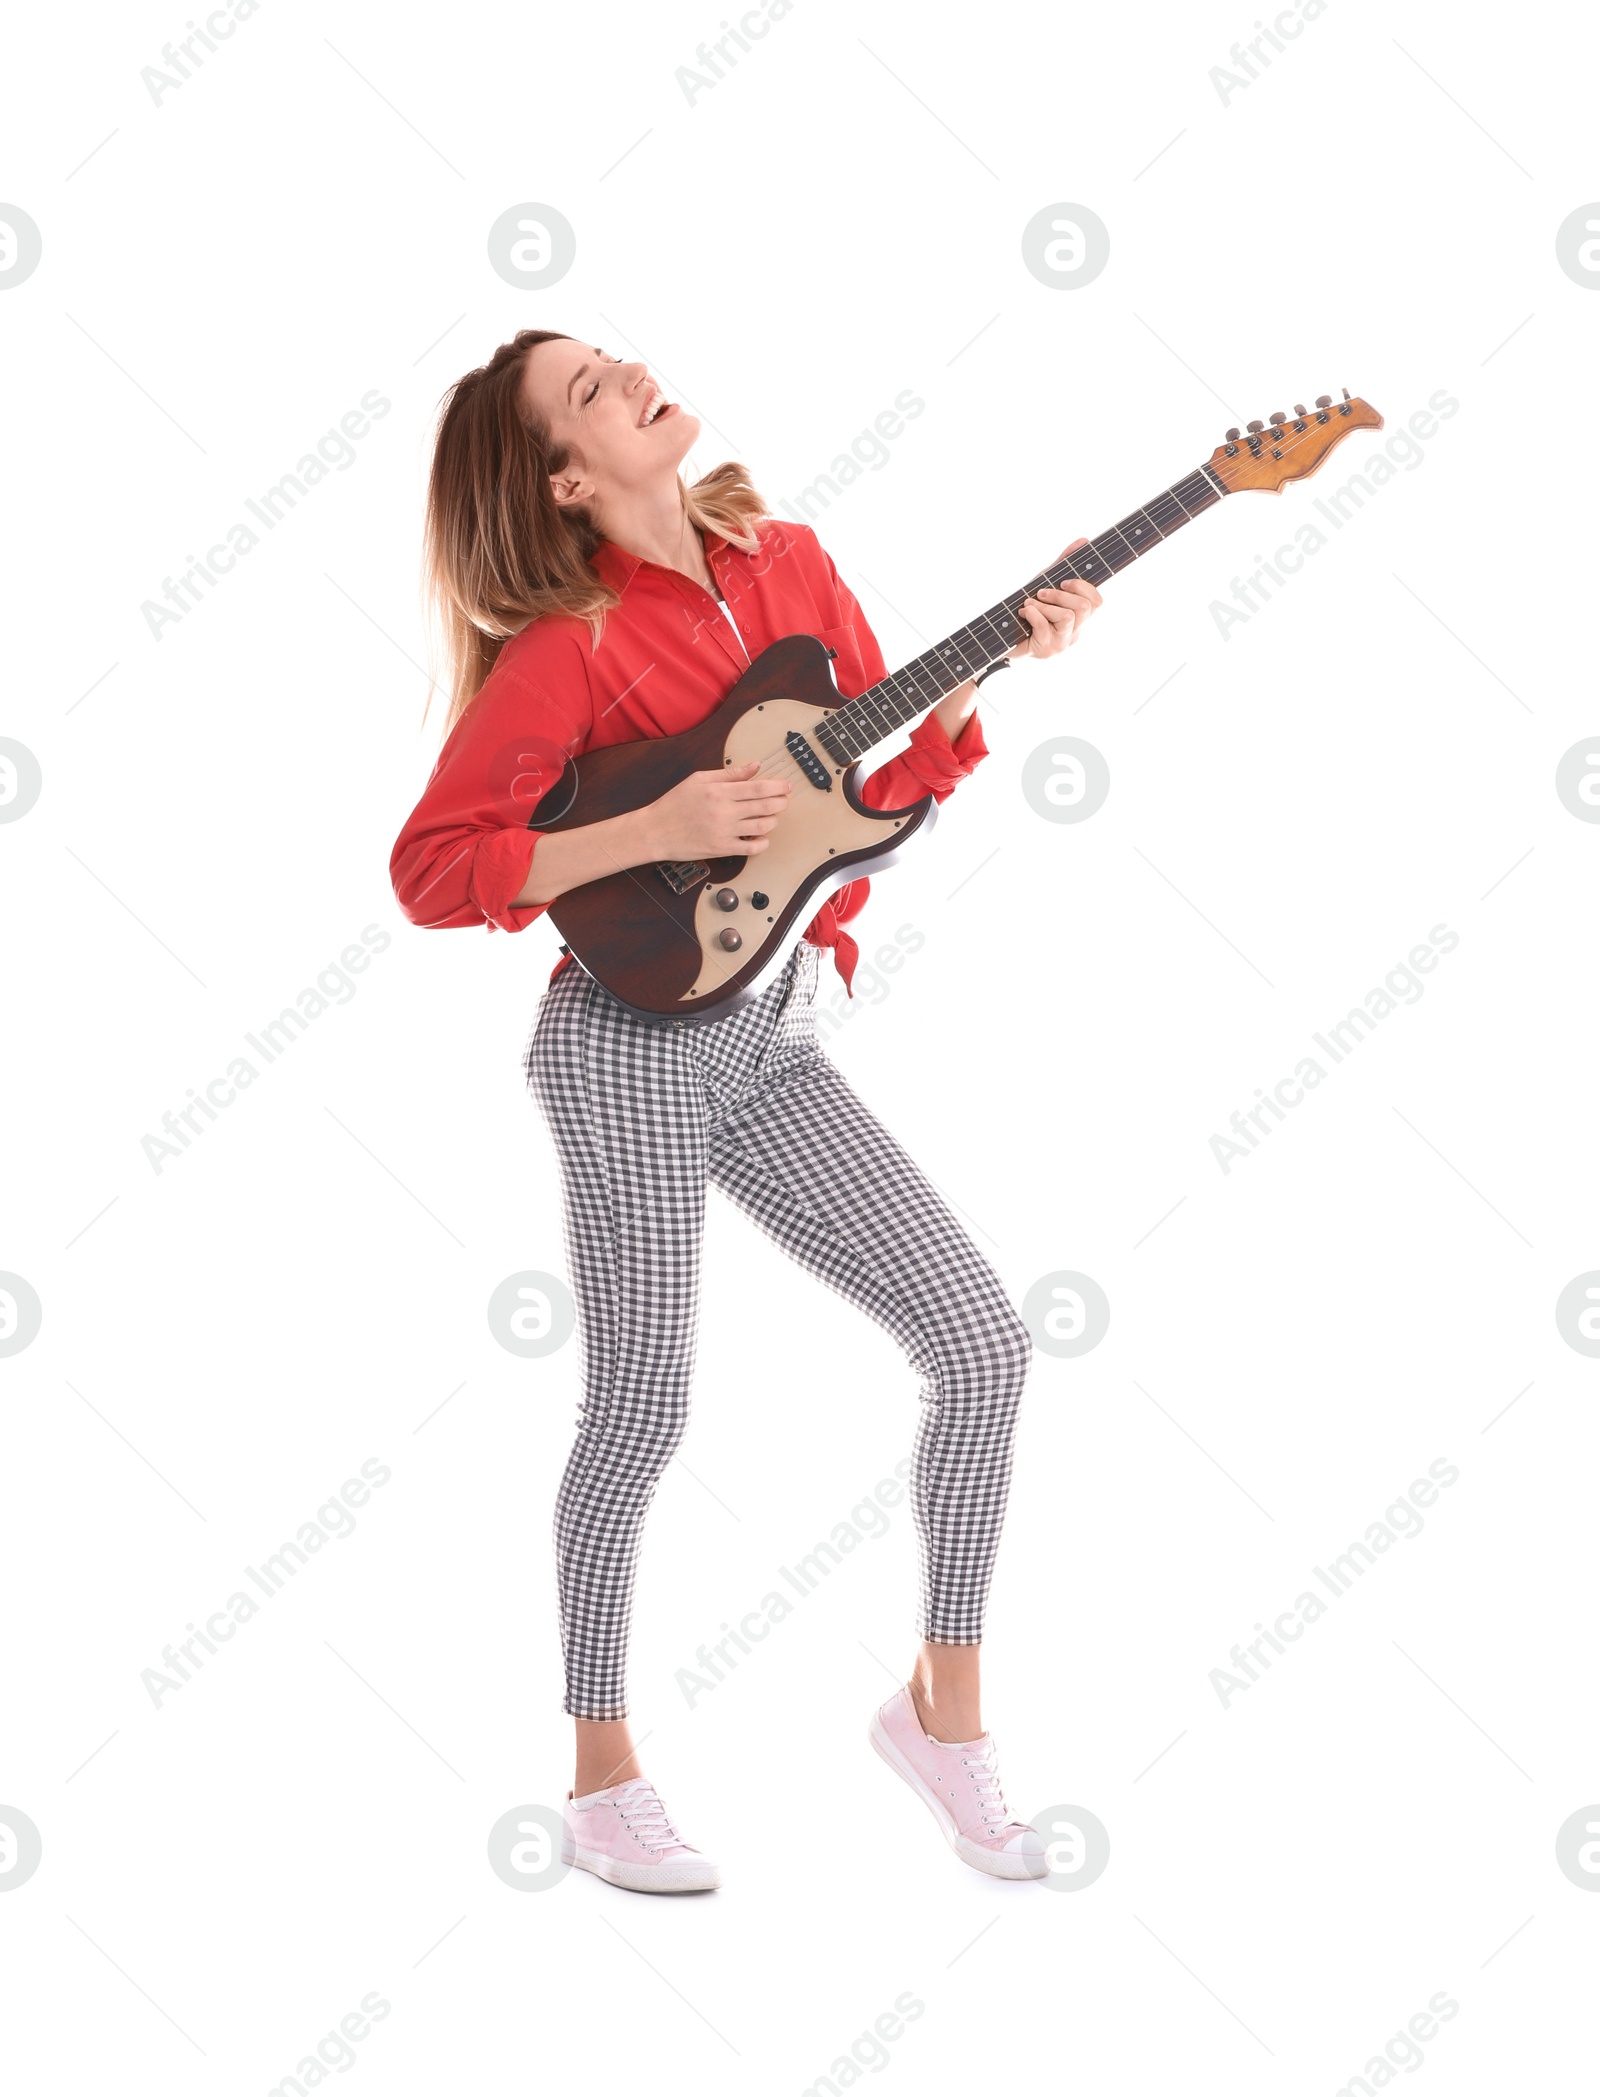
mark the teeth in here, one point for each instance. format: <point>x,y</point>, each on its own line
<point>654,409</point>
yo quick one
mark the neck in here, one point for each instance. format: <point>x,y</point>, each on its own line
<point>854,727</point>
<point>653,524</point>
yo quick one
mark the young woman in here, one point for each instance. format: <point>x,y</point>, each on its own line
<point>590,597</point>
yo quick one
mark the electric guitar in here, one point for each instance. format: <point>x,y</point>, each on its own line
<point>690,940</point>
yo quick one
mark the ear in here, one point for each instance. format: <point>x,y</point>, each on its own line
<point>570,487</point>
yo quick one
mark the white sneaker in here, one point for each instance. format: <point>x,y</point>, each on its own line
<point>959,1782</point>
<point>626,1837</point>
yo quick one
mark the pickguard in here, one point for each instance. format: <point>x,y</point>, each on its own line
<point>817,826</point>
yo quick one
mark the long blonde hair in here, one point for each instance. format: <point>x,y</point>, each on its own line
<point>498,551</point>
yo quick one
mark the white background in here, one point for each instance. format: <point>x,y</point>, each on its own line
<point>304,1288</point>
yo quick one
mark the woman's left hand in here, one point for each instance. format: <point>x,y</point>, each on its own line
<point>1055,618</point>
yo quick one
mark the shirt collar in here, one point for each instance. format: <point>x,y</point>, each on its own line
<point>617,567</point>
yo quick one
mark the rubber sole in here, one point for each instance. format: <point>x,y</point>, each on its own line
<point>682,1877</point>
<point>998,1864</point>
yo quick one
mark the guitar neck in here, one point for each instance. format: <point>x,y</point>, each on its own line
<point>856,726</point>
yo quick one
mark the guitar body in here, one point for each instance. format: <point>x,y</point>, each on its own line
<point>655,937</point>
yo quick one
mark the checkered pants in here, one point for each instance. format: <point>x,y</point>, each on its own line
<point>642,1116</point>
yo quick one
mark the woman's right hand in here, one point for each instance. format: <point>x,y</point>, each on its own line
<point>715,815</point>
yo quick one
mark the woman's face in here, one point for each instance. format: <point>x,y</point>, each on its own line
<point>602,411</point>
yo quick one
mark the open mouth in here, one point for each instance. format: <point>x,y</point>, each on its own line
<point>659,406</point>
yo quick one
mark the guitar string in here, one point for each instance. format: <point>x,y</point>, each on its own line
<point>780,763</point>
<point>1288,440</point>
<point>1011,604</point>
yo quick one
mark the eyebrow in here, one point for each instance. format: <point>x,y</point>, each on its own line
<point>578,374</point>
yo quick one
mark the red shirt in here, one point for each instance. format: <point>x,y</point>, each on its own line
<point>666,659</point>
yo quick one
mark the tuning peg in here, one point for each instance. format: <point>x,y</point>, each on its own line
<point>1277,415</point>
<point>1345,390</point>
<point>1233,436</point>
<point>1299,409</point>
<point>1255,428</point>
<point>1324,400</point>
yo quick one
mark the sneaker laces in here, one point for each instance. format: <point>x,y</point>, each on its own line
<point>644,1816</point>
<point>985,1772</point>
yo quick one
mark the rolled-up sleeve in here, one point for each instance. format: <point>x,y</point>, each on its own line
<point>467,847</point>
<point>932,764</point>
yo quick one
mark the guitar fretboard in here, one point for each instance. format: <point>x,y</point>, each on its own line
<point>860,723</point>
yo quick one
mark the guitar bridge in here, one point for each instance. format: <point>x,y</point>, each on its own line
<point>681,875</point>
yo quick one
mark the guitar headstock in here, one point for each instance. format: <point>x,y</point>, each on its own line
<point>1289,447</point>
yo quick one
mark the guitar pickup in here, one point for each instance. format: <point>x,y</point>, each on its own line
<point>807,759</point>
<point>681,875</point>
